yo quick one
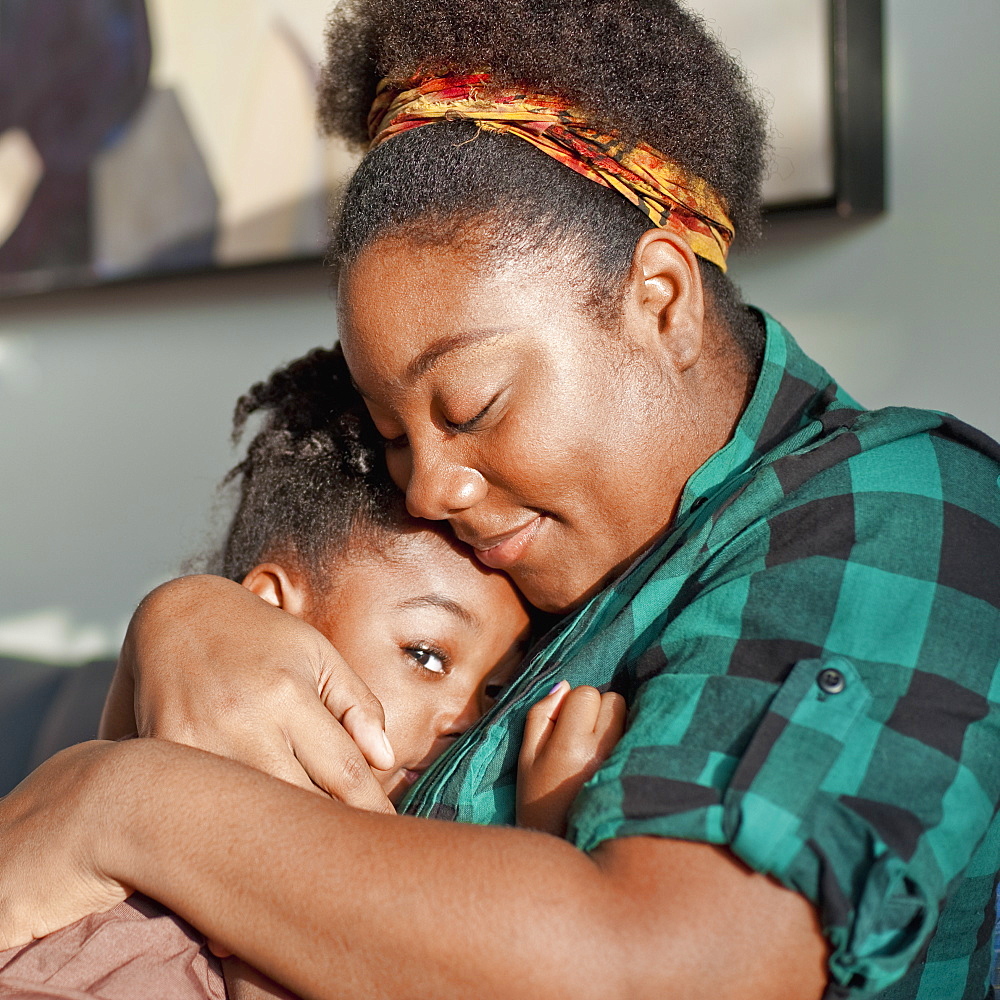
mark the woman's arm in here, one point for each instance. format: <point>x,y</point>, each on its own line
<point>209,664</point>
<point>333,902</point>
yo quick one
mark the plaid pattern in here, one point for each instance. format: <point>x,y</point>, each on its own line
<point>811,659</point>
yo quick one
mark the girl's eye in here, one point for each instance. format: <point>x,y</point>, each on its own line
<point>429,659</point>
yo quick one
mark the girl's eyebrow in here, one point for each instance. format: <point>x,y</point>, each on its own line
<point>460,611</point>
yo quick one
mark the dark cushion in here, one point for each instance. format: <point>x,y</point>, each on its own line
<point>44,708</point>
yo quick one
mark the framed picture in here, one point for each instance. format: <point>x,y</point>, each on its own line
<point>144,136</point>
<point>818,64</point>
<point>140,137</point>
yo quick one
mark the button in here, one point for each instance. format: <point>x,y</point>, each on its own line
<point>831,681</point>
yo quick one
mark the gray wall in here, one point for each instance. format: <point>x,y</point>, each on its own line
<point>115,409</point>
<point>904,310</point>
<point>115,403</point>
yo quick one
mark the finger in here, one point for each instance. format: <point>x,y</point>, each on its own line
<point>578,717</point>
<point>334,763</point>
<point>540,722</point>
<point>348,699</point>
<point>610,723</point>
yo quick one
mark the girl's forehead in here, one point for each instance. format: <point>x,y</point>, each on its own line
<point>427,568</point>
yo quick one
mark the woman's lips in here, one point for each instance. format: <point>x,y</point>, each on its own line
<point>506,552</point>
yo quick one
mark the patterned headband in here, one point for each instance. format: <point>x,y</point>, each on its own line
<point>672,198</point>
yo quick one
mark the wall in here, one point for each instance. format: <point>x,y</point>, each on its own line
<point>115,410</point>
<point>904,309</point>
<point>115,403</point>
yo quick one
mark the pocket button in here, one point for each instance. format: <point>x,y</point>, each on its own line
<point>831,681</point>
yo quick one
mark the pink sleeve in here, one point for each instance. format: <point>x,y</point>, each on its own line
<point>137,951</point>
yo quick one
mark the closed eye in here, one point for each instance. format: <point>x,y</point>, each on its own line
<point>468,425</point>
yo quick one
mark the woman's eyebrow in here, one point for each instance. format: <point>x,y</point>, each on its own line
<point>430,355</point>
<point>460,611</point>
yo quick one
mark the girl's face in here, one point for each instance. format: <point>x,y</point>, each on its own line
<point>553,447</point>
<point>432,633</point>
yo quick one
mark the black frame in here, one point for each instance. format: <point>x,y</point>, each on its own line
<point>856,40</point>
<point>856,32</point>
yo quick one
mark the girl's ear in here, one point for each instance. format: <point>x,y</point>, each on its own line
<point>277,586</point>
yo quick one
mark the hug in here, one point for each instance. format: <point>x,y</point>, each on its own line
<point>767,615</point>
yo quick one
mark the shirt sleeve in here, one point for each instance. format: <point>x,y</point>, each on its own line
<point>825,704</point>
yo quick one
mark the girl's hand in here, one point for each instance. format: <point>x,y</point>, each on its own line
<point>567,736</point>
<point>53,827</point>
<point>211,665</point>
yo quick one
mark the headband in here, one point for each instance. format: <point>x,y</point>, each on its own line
<point>661,189</point>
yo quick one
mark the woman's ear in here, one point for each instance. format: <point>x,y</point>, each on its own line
<point>278,587</point>
<point>667,297</point>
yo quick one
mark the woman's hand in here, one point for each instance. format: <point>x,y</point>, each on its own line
<point>52,829</point>
<point>211,665</point>
<point>567,736</point>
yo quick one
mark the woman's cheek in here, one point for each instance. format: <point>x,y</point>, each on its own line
<point>399,462</point>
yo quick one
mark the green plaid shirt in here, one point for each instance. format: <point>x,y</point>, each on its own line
<point>810,657</point>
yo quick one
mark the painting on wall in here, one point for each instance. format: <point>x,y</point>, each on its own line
<point>818,66</point>
<point>147,136</point>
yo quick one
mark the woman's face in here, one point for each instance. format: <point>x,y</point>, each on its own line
<point>553,447</point>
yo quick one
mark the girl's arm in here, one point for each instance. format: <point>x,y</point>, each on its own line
<point>332,902</point>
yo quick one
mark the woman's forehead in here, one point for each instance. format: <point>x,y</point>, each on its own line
<point>402,308</point>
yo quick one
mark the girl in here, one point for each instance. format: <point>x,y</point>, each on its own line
<point>321,533</point>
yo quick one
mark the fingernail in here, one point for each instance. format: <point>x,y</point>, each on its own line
<point>555,688</point>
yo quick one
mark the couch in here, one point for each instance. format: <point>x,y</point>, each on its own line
<point>44,708</point>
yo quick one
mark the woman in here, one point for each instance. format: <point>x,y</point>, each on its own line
<point>795,596</point>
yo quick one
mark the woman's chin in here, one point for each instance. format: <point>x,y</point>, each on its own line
<point>555,591</point>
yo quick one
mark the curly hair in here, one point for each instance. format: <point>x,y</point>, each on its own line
<point>646,69</point>
<point>313,476</point>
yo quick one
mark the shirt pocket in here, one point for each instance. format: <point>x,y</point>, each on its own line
<point>792,810</point>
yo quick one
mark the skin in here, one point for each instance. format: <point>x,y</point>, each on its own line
<point>434,636</point>
<point>638,917</point>
<point>513,395</point>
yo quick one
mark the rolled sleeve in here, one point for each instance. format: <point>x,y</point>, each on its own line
<point>820,790</point>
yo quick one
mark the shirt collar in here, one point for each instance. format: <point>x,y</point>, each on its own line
<point>789,389</point>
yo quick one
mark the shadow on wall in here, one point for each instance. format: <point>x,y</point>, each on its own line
<point>789,237</point>
<point>71,78</point>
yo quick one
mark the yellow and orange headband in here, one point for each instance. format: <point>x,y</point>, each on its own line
<point>672,198</point>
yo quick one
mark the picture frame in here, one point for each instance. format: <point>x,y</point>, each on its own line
<point>129,150</point>
<point>822,76</point>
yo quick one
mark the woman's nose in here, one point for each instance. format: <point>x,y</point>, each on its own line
<point>437,489</point>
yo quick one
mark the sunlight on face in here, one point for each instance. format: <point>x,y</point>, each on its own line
<point>511,414</point>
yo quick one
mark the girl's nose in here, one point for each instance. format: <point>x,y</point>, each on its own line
<point>437,490</point>
<point>464,711</point>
